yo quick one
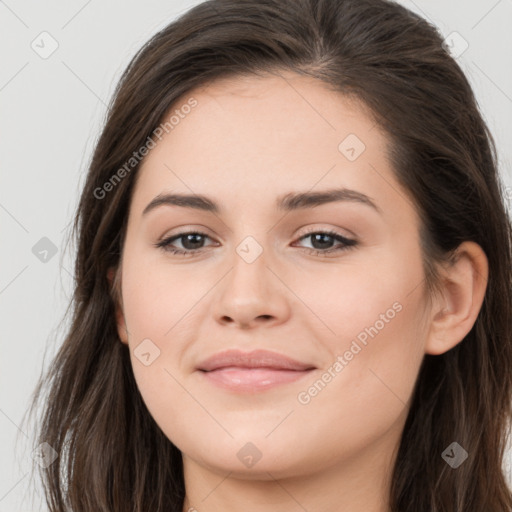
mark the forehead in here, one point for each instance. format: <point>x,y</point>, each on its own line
<point>249,138</point>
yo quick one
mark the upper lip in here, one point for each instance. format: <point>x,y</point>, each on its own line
<point>254,359</point>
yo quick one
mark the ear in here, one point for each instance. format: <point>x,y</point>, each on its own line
<point>114,279</point>
<point>463,289</point>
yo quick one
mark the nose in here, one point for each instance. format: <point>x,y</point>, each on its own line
<point>251,295</point>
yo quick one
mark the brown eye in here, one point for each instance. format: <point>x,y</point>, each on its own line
<point>322,242</point>
<point>191,242</point>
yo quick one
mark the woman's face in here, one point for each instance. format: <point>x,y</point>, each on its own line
<point>268,152</point>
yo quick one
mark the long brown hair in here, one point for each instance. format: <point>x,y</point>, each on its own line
<point>112,456</point>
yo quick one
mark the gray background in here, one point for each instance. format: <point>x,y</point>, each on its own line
<point>52,111</point>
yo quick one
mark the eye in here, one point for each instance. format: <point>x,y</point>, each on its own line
<point>191,241</point>
<point>321,239</point>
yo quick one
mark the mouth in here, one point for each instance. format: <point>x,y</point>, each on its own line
<point>252,379</point>
<point>251,372</point>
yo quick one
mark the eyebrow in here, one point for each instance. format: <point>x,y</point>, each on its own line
<point>288,202</point>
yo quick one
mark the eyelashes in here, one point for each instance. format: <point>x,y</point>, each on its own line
<point>319,236</point>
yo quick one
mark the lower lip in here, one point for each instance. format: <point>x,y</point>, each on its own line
<point>252,379</point>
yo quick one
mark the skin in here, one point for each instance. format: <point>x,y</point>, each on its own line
<point>248,141</point>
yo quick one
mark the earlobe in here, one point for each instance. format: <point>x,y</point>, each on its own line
<point>464,283</point>
<point>113,276</point>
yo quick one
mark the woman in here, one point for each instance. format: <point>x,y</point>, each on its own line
<point>293,279</point>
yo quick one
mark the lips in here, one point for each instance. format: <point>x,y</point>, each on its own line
<point>254,359</point>
<point>251,372</point>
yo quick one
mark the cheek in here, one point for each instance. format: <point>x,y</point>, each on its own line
<point>373,315</point>
<point>155,307</point>
<point>358,398</point>
<point>364,301</point>
<point>157,298</point>
<point>377,352</point>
